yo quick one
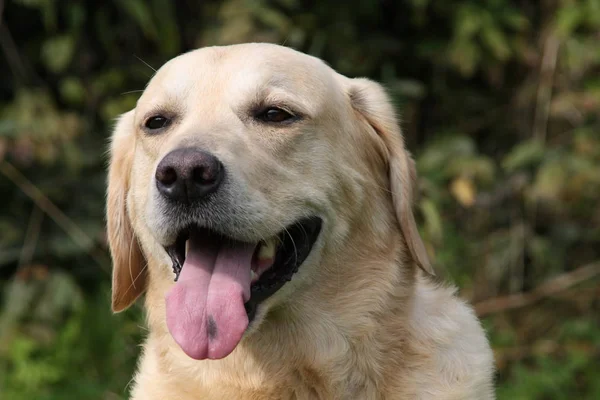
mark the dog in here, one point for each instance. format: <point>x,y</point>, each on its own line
<point>263,204</point>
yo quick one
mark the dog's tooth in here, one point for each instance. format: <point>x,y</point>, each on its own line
<point>267,250</point>
<point>187,246</point>
<point>253,276</point>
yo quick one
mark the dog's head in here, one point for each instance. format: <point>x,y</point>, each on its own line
<point>238,167</point>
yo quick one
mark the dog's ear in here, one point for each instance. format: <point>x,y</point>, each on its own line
<point>129,265</point>
<point>373,104</point>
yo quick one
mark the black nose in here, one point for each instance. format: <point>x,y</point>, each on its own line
<point>188,174</point>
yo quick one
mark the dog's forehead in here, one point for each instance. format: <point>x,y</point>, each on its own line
<point>241,69</point>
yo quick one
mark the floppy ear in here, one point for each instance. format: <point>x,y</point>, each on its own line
<point>129,264</point>
<point>372,103</point>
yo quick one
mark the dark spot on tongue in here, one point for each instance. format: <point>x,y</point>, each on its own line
<point>212,328</point>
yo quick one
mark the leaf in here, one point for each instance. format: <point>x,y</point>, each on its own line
<point>408,88</point>
<point>585,143</point>
<point>465,55</point>
<point>464,191</point>
<point>433,220</point>
<point>496,42</point>
<point>8,127</point>
<point>542,253</point>
<point>524,155</point>
<point>72,90</point>
<point>550,181</point>
<point>57,52</point>
<point>567,20</point>
<point>436,159</point>
<point>514,19</point>
<point>468,22</point>
<point>480,168</point>
<point>111,80</point>
<point>60,294</point>
<point>76,15</point>
<point>18,295</point>
<point>273,19</point>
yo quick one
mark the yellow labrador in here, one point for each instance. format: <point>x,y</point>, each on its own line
<point>263,203</point>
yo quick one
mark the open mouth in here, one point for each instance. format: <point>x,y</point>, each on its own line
<point>220,281</point>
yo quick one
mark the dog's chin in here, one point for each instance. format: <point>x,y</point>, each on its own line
<point>274,261</point>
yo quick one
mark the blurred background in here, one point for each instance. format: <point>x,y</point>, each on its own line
<point>500,102</point>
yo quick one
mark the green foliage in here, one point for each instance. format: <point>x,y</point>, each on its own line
<point>56,344</point>
<point>499,101</point>
<point>559,368</point>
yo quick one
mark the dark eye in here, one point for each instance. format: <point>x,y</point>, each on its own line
<point>274,114</point>
<point>156,122</point>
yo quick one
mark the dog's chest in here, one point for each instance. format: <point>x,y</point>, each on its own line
<point>300,384</point>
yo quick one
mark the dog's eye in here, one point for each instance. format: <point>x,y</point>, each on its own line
<point>156,122</point>
<point>274,114</point>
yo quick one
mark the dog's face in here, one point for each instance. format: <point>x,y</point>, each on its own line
<point>239,167</point>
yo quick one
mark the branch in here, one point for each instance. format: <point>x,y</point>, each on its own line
<point>39,198</point>
<point>31,236</point>
<point>547,289</point>
<point>544,94</point>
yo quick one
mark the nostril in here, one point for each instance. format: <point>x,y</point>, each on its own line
<point>166,176</point>
<point>205,174</point>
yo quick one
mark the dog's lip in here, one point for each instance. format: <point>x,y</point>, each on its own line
<point>294,244</point>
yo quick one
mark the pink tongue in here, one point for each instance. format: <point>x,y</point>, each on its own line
<point>205,308</point>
